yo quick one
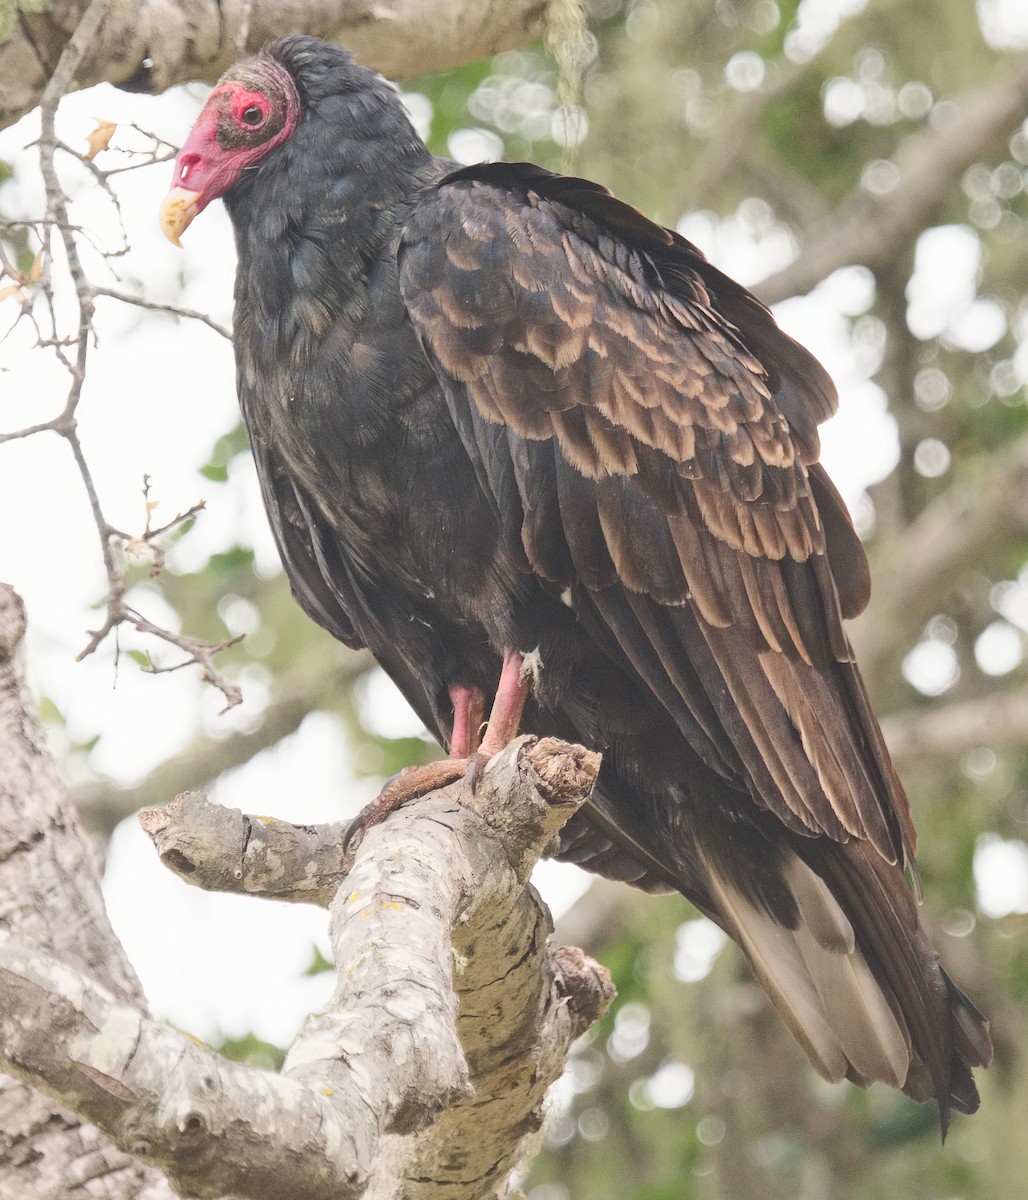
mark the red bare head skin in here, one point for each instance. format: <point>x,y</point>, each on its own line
<point>254,108</point>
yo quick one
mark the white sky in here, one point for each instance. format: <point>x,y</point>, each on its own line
<point>158,394</point>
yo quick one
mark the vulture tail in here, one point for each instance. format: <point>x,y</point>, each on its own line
<point>852,974</point>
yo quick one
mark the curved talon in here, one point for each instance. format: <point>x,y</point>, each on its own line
<point>367,816</point>
<point>355,827</point>
<point>476,769</point>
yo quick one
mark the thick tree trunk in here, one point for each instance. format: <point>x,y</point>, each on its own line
<point>50,897</point>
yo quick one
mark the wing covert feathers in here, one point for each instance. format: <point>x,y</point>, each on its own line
<point>666,465</point>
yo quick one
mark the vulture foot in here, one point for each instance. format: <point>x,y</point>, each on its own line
<point>468,755</point>
<point>409,784</point>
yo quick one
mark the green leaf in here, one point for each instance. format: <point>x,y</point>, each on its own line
<point>251,1050</point>
<point>319,963</point>
<point>49,712</point>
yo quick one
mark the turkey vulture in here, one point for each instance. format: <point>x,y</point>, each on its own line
<point>499,416</point>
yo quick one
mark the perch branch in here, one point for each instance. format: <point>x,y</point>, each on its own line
<point>444,985</point>
<point>224,850</point>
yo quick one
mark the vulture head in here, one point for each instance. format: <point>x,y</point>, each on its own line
<point>254,108</point>
<point>295,84</point>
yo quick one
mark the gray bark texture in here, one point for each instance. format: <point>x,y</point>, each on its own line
<point>426,1074</point>
<point>148,45</point>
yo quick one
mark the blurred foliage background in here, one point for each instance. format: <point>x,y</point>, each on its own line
<point>836,136</point>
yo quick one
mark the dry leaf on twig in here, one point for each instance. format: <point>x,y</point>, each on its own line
<point>100,138</point>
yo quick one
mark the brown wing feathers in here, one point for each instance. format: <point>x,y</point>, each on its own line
<point>685,484</point>
<point>659,445</point>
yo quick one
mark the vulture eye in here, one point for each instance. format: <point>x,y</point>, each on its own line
<point>253,115</point>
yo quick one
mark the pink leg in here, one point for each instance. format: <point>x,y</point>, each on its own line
<point>412,782</point>
<point>468,710</point>
<point>508,705</point>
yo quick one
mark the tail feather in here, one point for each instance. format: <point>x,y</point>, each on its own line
<point>876,1048</point>
<point>819,982</point>
<point>972,1047</point>
<point>820,910</point>
<point>856,979</point>
<point>948,1034</point>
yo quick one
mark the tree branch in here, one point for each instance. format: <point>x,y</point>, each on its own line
<point>915,574</point>
<point>948,731</point>
<point>224,850</point>
<point>872,230</point>
<point>151,44</point>
<point>449,1020</point>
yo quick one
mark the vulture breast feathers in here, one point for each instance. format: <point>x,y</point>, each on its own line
<point>495,409</point>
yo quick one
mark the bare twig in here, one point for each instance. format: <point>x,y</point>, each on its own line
<point>166,156</point>
<point>158,151</point>
<point>176,310</point>
<point>147,540</point>
<point>56,222</point>
<point>197,652</point>
<point>54,426</point>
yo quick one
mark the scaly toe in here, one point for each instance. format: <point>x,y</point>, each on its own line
<point>409,784</point>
